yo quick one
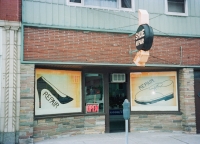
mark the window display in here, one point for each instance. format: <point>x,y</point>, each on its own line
<point>57,91</point>
<point>94,97</point>
<point>154,91</point>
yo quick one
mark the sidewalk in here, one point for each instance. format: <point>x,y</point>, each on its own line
<point>133,138</point>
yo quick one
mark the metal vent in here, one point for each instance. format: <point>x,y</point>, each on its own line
<point>118,78</point>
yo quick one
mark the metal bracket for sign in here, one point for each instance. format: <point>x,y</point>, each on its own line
<point>198,94</point>
<point>132,51</point>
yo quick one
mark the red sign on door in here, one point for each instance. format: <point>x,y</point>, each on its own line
<point>92,107</point>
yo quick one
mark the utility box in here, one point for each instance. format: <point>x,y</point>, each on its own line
<point>126,109</point>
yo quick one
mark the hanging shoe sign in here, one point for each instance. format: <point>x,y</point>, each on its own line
<point>144,37</point>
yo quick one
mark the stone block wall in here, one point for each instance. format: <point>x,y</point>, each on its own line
<point>156,122</point>
<point>67,126</point>
<point>37,130</point>
<point>26,104</point>
<point>187,99</point>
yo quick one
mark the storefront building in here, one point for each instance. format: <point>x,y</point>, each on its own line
<point>77,69</point>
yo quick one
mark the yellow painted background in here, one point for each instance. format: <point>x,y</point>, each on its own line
<point>138,78</point>
<point>68,82</point>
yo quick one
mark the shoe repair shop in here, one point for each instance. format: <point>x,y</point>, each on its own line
<point>86,96</point>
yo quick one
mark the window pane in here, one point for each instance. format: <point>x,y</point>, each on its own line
<point>76,1</point>
<point>94,93</point>
<point>102,3</point>
<point>126,3</point>
<point>176,6</point>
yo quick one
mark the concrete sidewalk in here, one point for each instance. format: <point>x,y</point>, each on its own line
<point>133,138</point>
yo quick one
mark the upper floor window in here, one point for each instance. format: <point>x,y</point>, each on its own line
<point>176,7</point>
<point>108,4</point>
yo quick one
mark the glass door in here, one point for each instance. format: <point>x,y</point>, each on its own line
<point>117,95</point>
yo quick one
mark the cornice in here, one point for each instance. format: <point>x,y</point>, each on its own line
<point>13,24</point>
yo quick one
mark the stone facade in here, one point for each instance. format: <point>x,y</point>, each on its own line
<point>184,122</point>
<point>187,99</point>
<point>156,122</point>
<point>37,130</point>
<point>10,78</point>
<point>67,126</point>
<point>26,104</point>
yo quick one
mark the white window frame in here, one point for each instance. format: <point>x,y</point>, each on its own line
<point>75,4</point>
<point>176,13</point>
<point>132,9</point>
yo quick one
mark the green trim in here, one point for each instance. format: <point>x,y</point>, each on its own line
<point>131,33</point>
<point>176,35</point>
<point>77,28</point>
<point>171,35</point>
<point>107,64</point>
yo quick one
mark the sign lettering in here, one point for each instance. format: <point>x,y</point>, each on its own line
<point>144,37</point>
<point>92,108</point>
<point>139,35</point>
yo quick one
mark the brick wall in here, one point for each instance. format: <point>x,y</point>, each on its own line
<point>95,47</point>
<point>10,10</point>
<point>187,99</point>
<point>67,126</point>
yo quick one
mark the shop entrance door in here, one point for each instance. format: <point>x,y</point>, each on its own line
<point>117,95</point>
<point>197,103</point>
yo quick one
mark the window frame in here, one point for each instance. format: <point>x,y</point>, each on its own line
<point>119,7</point>
<point>84,95</point>
<point>75,4</point>
<point>177,13</point>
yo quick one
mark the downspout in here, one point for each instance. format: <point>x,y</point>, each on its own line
<point>108,64</point>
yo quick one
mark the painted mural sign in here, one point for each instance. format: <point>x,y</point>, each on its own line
<point>57,91</point>
<point>154,91</point>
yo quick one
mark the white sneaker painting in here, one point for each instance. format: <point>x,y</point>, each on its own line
<point>155,93</point>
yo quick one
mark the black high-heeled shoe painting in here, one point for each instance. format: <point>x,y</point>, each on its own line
<point>42,83</point>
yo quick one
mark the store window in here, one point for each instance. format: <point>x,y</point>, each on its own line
<point>176,7</point>
<point>94,93</point>
<point>110,4</point>
<point>154,91</point>
<point>57,91</point>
